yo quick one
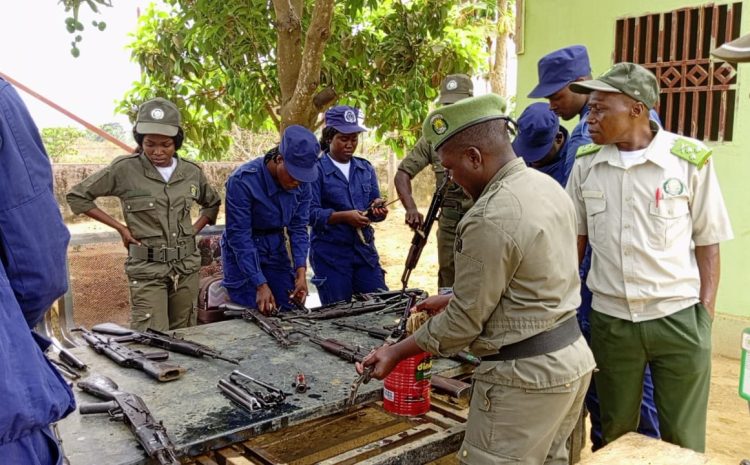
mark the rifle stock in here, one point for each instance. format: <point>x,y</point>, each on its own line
<point>150,433</point>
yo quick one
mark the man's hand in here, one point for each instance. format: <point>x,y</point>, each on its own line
<point>300,286</point>
<point>413,218</point>
<point>264,299</point>
<point>383,360</point>
<point>433,304</point>
<point>127,236</point>
<point>356,219</point>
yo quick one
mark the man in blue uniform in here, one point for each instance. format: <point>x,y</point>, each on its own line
<point>543,143</point>
<point>33,244</point>
<point>557,70</point>
<point>265,243</point>
<point>345,200</point>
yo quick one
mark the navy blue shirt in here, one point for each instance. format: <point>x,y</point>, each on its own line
<point>33,245</point>
<point>256,209</point>
<point>563,164</point>
<point>332,192</point>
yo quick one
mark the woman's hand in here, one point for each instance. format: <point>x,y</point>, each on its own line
<point>264,299</point>
<point>300,286</point>
<point>356,219</point>
<point>127,236</point>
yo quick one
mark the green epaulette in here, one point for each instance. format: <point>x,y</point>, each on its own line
<point>691,151</point>
<point>587,149</point>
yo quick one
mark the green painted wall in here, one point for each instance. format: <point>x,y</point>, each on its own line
<point>553,24</point>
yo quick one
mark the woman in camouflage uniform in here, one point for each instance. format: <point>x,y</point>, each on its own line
<point>156,189</point>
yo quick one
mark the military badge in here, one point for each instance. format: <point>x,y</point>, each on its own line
<point>451,85</point>
<point>194,190</point>
<point>350,117</point>
<point>439,124</point>
<point>673,186</point>
<point>157,113</point>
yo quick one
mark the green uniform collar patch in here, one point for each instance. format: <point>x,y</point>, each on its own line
<point>587,149</point>
<point>692,152</point>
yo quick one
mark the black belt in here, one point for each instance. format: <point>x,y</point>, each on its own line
<point>543,343</point>
<point>267,232</point>
<point>161,254</point>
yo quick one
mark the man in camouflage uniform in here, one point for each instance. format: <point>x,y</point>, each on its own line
<point>454,88</point>
<point>156,189</point>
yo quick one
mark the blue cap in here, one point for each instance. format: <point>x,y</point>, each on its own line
<point>300,150</point>
<point>537,128</point>
<point>560,68</point>
<point>344,119</point>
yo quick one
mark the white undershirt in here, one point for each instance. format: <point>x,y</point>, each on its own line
<point>166,171</point>
<point>631,158</point>
<point>343,167</point>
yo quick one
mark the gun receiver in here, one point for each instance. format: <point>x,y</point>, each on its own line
<point>383,334</point>
<point>242,389</point>
<point>129,358</point>
<point>452,387</point>
<point>422,233</point>
<point>154,338</point>
<point>268,325</point>
<point>130,408</point>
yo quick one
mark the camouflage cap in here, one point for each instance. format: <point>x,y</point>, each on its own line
<point>445,122</point>
<point>455,87</point>
<point>158,116</point>
<point>630,79</point>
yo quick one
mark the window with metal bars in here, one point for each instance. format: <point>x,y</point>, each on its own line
<point>698,94</point>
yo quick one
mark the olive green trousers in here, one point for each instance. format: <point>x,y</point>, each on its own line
<point>164,303</point>
<point>678,350</point>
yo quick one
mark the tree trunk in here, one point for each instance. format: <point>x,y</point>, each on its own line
<point>297,105</point>
<point>499,60</point>
<point>288,44</point>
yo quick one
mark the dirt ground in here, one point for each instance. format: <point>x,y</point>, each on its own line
<point>100,295</point>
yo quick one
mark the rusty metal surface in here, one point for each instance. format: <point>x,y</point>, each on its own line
<point>198,417</point>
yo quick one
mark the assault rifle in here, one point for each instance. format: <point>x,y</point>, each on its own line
<point>383,334</point>
<point>161,340</point>
<point>150,433</point>
<point>130,358</point>
<point>452,387</point>
<point>422,233</point>
<point>340,309</point>
<point>268,325</point>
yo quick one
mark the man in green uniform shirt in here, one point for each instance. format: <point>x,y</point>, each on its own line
<point>515,295</point>
<point>455,87</point>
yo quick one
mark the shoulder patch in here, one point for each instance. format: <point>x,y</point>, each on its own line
<point>691,151</point>
<point>587,149</point>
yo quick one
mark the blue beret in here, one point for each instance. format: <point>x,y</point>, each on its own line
<point>344,119</point>
<point>537,128</point>
<point>300,150</point>
<point>560,68</point>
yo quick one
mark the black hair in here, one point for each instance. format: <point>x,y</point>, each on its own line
<point>326,137</point>
<point>177,138</point>
<point>272,154</point>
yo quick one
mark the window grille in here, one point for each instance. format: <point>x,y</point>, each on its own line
<point>698,94</point>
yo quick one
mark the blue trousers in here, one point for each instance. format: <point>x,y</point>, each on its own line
<point>281,282</point>
<point>341,272</point>
<point>37,448</point>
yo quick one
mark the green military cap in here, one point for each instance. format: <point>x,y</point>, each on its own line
<point>455,87</point>
<point>158,116</point>
<point>630,79</point>
<point>443,123</point>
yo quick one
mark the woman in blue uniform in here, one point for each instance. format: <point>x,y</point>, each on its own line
<point>265,243</point>
<point>345,200</point>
